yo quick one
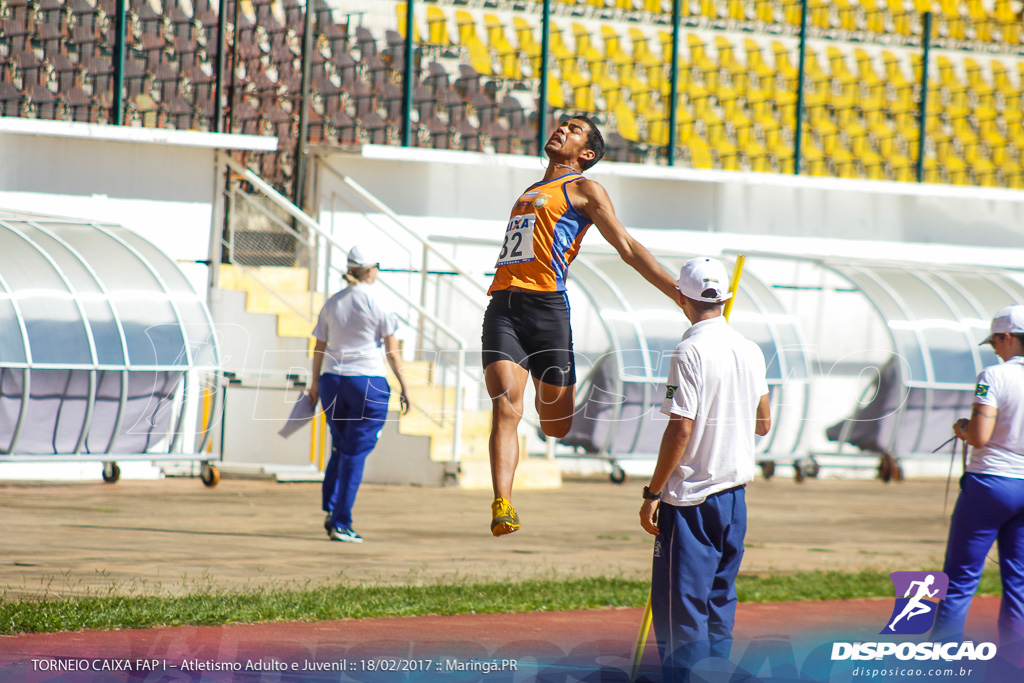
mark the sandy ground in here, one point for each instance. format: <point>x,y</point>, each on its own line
<point>173,535</point>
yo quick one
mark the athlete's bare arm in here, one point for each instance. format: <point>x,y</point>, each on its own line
<point>978,430</point>
<point>592,201</point>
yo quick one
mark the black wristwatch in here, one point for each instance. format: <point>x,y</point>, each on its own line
<point>648,495</point>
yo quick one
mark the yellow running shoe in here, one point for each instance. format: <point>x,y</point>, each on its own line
<point>504,519</point>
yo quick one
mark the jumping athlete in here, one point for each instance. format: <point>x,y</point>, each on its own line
<point>526,326</point>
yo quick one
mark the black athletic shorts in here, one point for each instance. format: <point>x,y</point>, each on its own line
<point>531,329</point>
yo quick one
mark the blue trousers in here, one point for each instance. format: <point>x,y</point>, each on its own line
<point>693,587</point>
<point>356,408</point>
<point>990,509</point>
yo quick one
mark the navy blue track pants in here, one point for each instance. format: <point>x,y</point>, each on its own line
<point>990,509</point>
<point>356,408</point>
<point>693,588</point>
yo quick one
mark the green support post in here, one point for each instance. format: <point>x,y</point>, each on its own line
<point>408,80</point>
<point>673,105</point>
<point>542,102</point>
<point>799,126</point>
<point>923,115</point>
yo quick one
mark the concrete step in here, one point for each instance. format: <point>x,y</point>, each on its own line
<point>278,278</point>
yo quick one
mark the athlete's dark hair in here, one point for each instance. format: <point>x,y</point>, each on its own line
<point>595,141</point>
<point>703,306</point>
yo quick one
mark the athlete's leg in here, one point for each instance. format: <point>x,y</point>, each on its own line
<point>506,382</point>
<point>555,406</point>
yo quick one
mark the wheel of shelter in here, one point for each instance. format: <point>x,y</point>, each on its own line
<point>618,475</point>
<point>767,468</point>
<point>111,472</point>
<point>210,475</point>
<point>799,471</point>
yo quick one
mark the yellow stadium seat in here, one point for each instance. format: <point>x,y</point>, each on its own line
<point>714,127</point>
<point>956,171</point>
<point>985,173</point>
<point>844,163</point>
<point>700,153</point>
<point>556,97</point>
<point>528,45</point>
<point>903,169</point>
<point>758,158</point>
<point>511,67</point>
<point>873,84</point>
<point>582,92</point>
<point>762,75</point>
<point>1009,24</point>
<point>701,61</point>
<point>873,166</point>
<point>437,26</point>
<point>743,129</point>
<point>627,123</point>
<point>847,15</point>
<point>728,155</point>
<point>1013,174</point>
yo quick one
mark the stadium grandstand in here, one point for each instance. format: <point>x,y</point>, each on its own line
<point>477,72</point>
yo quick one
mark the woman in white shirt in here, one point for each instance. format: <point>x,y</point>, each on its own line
<point>348,380</point>
<point>990,508</point>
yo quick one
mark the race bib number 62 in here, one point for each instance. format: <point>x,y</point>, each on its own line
<point>518,244</point>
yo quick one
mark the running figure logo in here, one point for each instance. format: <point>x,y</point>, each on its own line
<point>914,613</point>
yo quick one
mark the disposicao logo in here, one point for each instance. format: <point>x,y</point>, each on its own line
<point>915,612</point>
<point>917,601</point>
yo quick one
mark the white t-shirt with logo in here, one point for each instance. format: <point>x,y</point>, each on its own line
<point>354,325</point>
<point>717,378</point>
<point>1002,387</point>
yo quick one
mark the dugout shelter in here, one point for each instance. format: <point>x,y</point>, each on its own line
<point>106,351</point>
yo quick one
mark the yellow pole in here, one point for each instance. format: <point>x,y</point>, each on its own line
<point>323,440</point>
<point>312,437</point>
<point>645,622</point>
<point>207,394</point>
<point>734,285</point>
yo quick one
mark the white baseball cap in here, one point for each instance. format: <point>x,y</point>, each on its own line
<point>361,257</point>
<point>1009,319</point>
<point>704,279</point>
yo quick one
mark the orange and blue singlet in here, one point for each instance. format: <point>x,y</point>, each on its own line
<point>542,238</point>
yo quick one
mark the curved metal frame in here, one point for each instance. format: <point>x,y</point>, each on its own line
<point>173,450</point>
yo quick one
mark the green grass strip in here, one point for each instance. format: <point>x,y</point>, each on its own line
<point>319,603</point>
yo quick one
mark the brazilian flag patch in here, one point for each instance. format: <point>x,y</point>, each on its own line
<point>981,391</point>
<point>670,391</point>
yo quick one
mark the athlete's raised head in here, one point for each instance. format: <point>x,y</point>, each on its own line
<point>577,143</point>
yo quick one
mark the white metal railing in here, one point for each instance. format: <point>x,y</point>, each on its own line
<point>317,239</point>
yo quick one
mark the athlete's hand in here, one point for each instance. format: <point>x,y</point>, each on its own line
<point>649,517</point>
<point>960,428</point>
<point>403,401</point>
<point>313,392</point>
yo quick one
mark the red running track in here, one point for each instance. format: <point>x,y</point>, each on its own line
<point>545,646</point>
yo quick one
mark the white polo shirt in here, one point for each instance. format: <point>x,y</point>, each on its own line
<point>1002,387</point>
<point>354,325</point>
<point>717,378</point>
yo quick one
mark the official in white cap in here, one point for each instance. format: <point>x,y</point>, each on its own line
<point>990,508</point>
<point>717,400</point>
<point>348,380</point>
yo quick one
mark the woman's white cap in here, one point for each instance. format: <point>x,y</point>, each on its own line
<point>704,279</point>
<point>361,257</point>
<point>1009,319</point>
